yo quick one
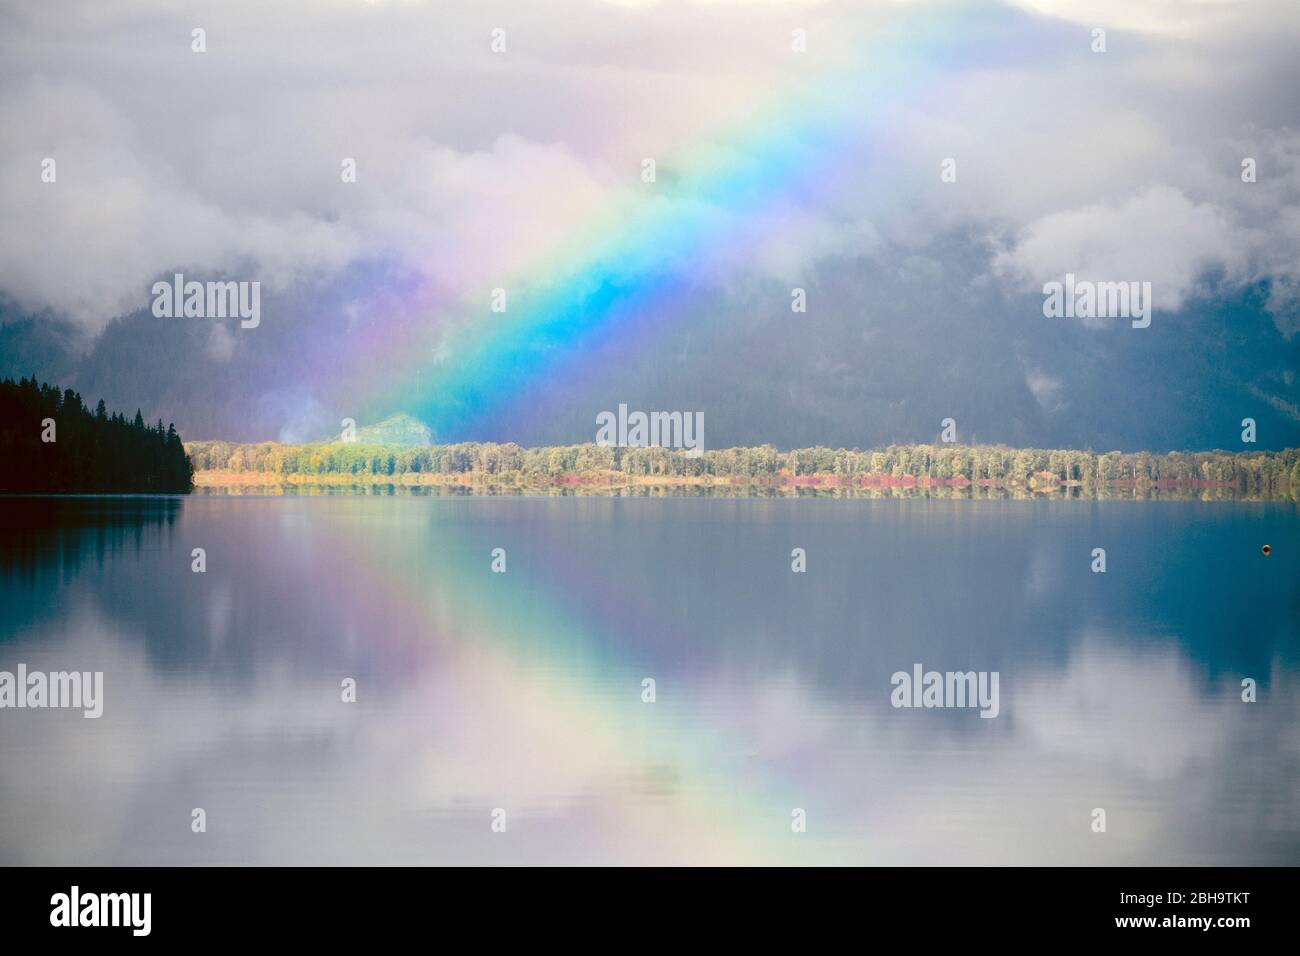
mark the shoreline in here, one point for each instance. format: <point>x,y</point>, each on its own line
<point>615,484</point>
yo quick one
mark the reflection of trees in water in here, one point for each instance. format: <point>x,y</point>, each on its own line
<point>262,599</point>
<point>39,535</point>
<point>44,543</point>
<point>984,588</point>
<point>688,588</point>
<point>1118,491</point>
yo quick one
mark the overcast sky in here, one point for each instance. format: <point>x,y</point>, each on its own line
<point>473,165</point>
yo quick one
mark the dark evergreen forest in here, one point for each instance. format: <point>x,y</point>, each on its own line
<point>50,441</point>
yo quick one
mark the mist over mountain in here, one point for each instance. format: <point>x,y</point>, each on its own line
<point>400,429</point>
<point>918,172</point>
<point>885,352</point>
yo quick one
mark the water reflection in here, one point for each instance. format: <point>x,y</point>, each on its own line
<point>523,690</point>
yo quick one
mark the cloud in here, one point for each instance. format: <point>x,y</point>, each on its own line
<point>470,168</point>
<point>1160,236</point>
<point>1289,409</point>
<point>1284,305</point>
<point>1178,18</point>
<point>117,215</point>
<point>221,343</point>
<point>1045,389</point>
<point>475,169</point>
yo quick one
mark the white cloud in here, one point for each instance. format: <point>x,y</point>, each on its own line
<point>221,343</point>
<point>1045,389</point>
<point>473,169</point>
<point>1169,17</point>
<point>1160,236</point>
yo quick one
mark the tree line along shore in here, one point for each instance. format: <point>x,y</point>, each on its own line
<point>1253,473</point>
<point>50,441</point>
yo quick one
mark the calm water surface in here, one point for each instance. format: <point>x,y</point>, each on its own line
<point>523,690</point>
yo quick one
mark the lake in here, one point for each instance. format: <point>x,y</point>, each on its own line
<point>505,716</point>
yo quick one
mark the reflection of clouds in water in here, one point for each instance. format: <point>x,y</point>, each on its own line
<point>1045,571</point>
<point>1187,772</point>
<point>1145,712</point>
<point>223,692</point>
<point>287,773</point>
<point>219,607</point>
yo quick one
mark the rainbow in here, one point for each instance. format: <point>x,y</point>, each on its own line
<point>591,727</point>
<point>623,274</point>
